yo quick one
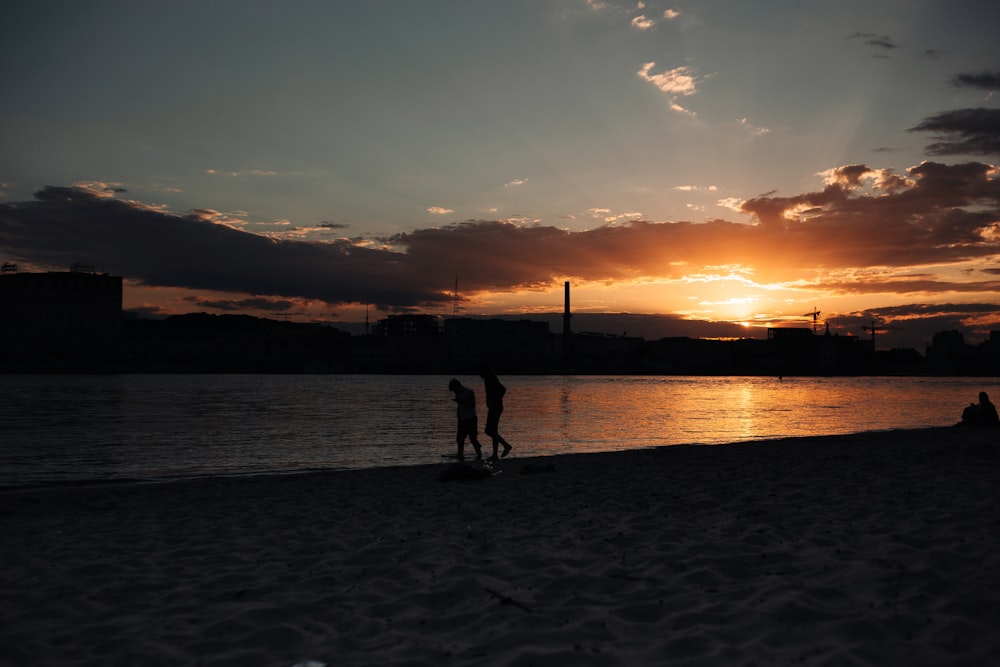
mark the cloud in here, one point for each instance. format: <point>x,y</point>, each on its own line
<point>605,215</point>
<point>933,215</point>
<point>756,131</point>
<point>438,210</point>
<point>671,14</point>
<point>642,22</point>
<point>248,172</point>
<point>191,251</point>
<point>243,305</point>
<point>234,219</point>
<point>289,231</point>
<point>515,183</point>
<point>854,177</point>
<point>963,132</point>
<point>984,81</point>
<point>883,42</point>
<point>937,214</point>
<point>678,81</point>
<point>101,188</point>
<point>917,322</point>
<point>674,106</point>
<point>149,312</point>
<point>732,203</point>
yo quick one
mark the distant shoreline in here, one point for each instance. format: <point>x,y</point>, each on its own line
<point>513,462</point>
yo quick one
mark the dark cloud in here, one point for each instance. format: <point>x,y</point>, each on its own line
<point>64,225</point>
<point>937,310</point>
<point>914,285</point>
<point>943,214</point>
<point>883,42</point>
<point>964,132</point>
<point>244,305</point>
<point>984,81</point>
<point>914,325</point>
<point>932,214</point>
<point>148,312</point>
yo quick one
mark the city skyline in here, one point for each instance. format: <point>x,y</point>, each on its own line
<point>727,164</point>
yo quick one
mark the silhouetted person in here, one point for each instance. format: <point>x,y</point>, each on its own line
<point>981,414</point>
<point>494,408</point>
<point>467,426</point>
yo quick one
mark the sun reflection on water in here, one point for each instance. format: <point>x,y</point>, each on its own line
<point>156,427</point>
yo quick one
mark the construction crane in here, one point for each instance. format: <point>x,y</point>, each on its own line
<point>876,329</point>
<point>815,315</point>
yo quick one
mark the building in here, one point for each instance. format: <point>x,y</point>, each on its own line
<point>508,346</point>
<point>59,321</point>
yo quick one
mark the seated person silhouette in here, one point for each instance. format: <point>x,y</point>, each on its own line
<point>982,414</point>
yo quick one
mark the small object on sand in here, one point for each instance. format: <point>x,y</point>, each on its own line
<point>506,599</point>
<point>532,468</point>
<point>463,472</point>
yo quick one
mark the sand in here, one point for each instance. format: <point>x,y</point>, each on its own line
<point>868,549</point>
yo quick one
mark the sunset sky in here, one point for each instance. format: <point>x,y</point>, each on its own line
<point>723,165</point>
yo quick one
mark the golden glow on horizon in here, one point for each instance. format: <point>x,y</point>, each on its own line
<point>714,301</point>
<point>727,295</point>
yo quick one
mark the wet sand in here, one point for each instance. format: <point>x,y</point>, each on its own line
<point>868,549</point>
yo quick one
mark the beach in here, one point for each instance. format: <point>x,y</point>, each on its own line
<point>877,548</point>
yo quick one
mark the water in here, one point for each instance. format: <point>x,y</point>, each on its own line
<point>155,427</point>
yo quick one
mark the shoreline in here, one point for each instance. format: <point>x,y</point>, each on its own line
<point>14,487</point>
<point>872,548</point>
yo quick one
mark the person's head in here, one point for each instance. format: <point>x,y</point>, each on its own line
<point>983,397</point>
<point>454,385</point>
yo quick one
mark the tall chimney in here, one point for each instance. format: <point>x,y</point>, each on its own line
<point>567,338</point>
<point>566,313</point>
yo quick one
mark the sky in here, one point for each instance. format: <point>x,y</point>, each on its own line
<point>708,168</point>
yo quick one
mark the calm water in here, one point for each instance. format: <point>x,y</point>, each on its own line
<point>71,428</point>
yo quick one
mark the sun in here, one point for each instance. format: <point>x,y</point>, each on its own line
<point>733,309</point>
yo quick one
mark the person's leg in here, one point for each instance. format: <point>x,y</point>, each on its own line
<point>460,441</point>
<point>492,421</point>
<point>473,428</point>
<point>497,438</point>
